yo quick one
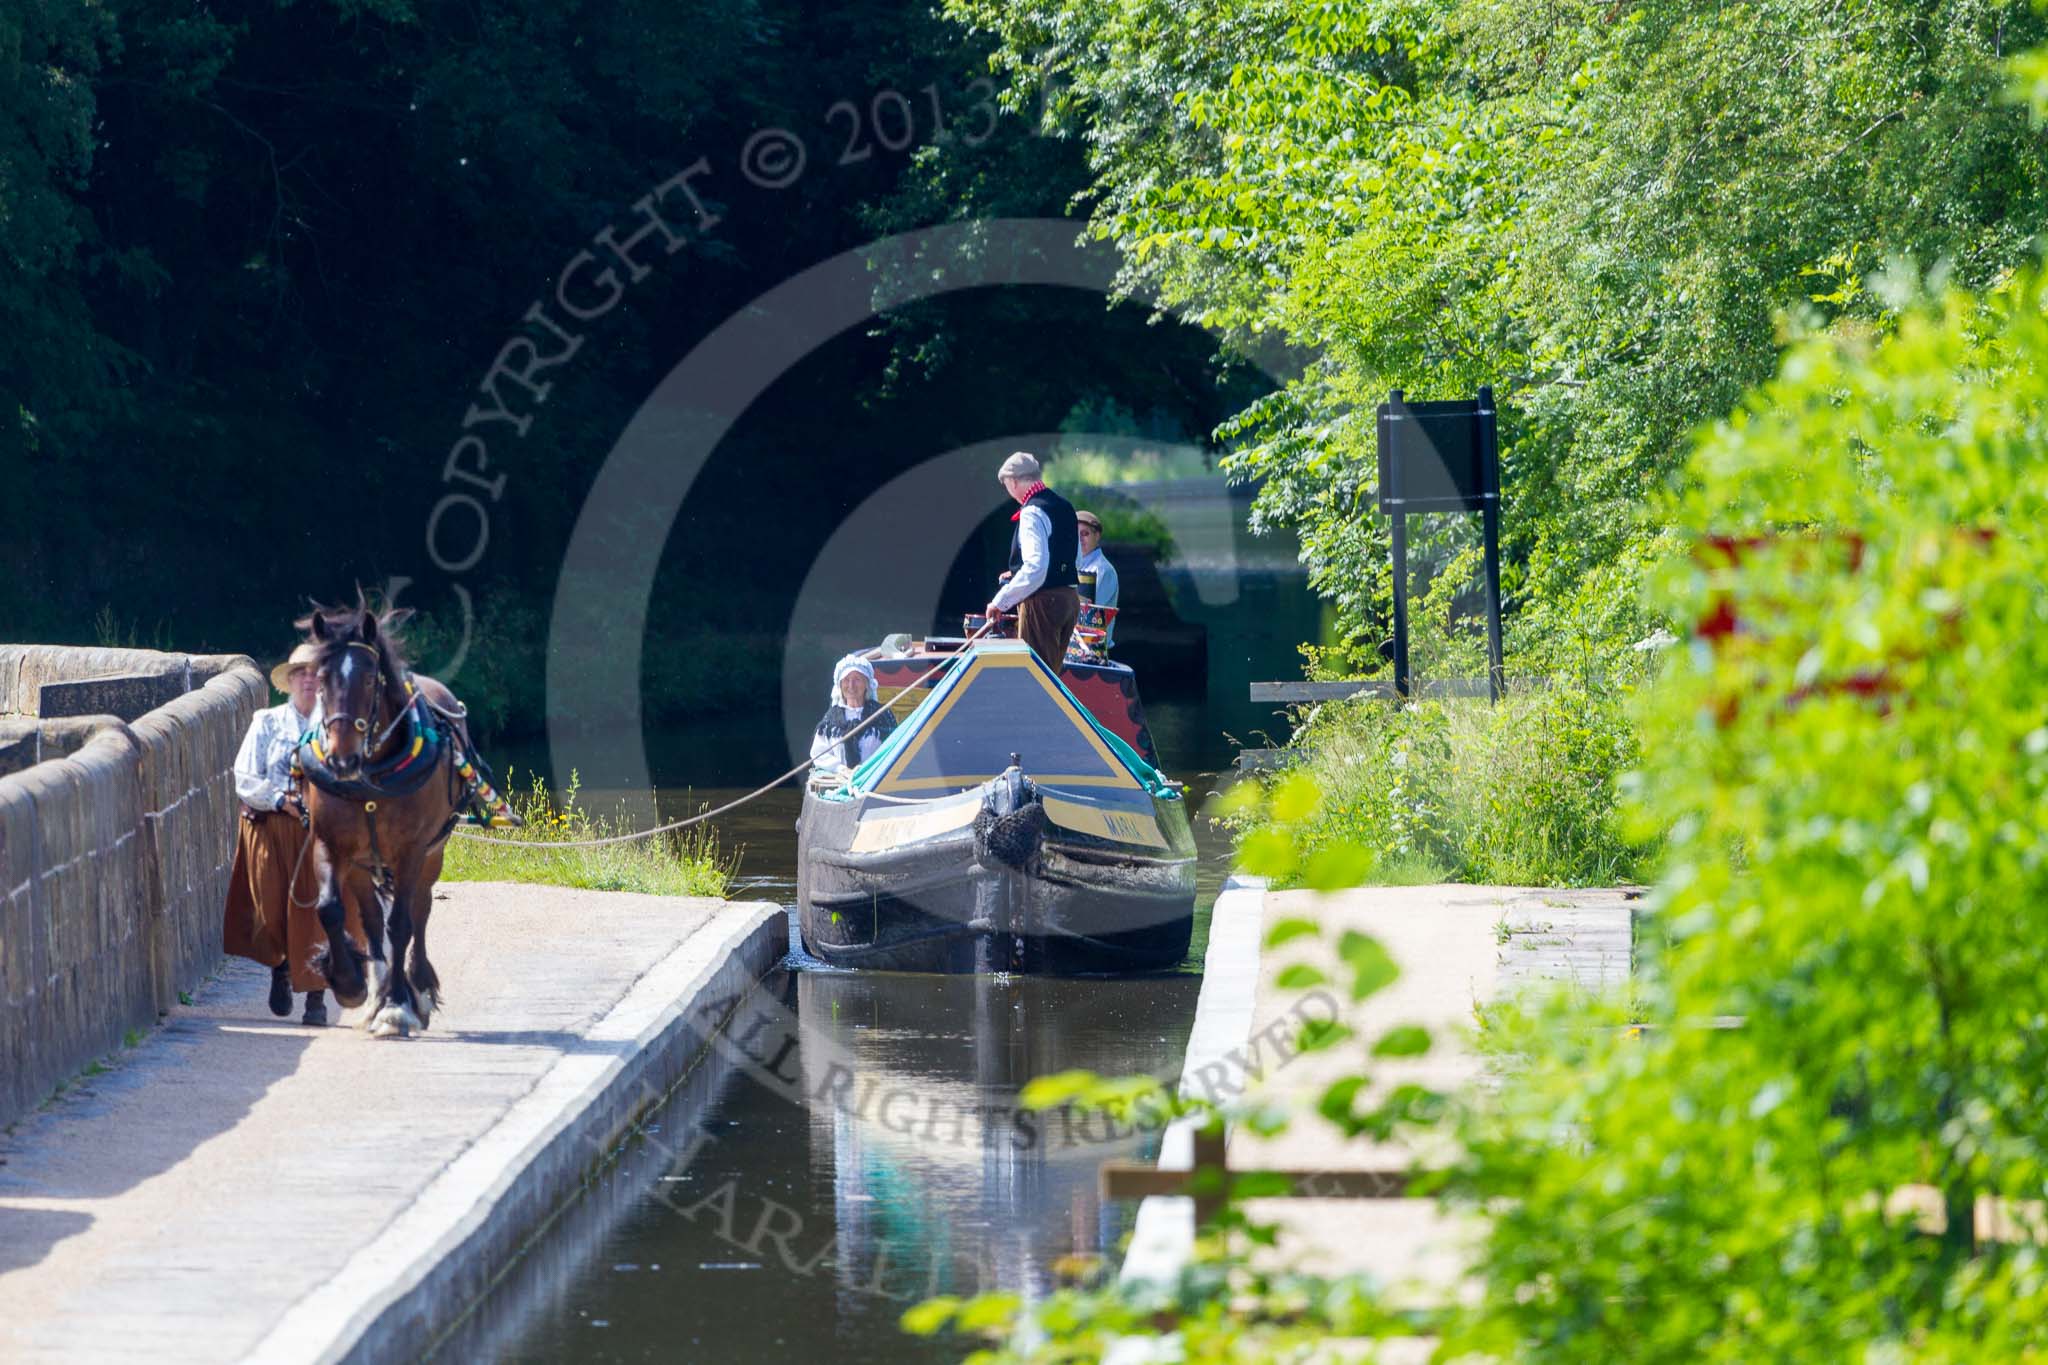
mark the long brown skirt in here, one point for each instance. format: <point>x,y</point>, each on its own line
<point>270,917</point>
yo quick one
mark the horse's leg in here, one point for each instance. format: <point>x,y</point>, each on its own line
<point>341,964</point>
<point>403,1012</point>
<point>426,982</point>
<point>362,887</point>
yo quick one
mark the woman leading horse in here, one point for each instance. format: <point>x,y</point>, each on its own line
<point>387,774</point>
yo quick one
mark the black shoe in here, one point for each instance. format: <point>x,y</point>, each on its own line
<point>316,1008</point>
<point>281,990</point>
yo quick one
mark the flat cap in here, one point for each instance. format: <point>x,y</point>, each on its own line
<point>1022,465</point>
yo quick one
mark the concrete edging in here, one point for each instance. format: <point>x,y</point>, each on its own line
<point>398,1296</point>
<point>1164,1235</point>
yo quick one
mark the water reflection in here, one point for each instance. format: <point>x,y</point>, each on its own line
<point>942,1183</point>
<point>830,1185</point>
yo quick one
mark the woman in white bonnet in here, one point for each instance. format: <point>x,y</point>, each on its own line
<point>852,701</point>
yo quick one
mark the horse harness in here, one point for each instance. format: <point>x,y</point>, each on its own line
<point>427,731</point>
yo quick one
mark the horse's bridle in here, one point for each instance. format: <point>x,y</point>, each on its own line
<point>362,726</point>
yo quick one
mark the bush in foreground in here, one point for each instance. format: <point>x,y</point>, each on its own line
<point>1852,763</point>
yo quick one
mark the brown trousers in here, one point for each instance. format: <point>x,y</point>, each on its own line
<point>264,920</point>
<point>1046,620</point>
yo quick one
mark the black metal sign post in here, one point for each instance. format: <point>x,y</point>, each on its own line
<point>1441,457</point>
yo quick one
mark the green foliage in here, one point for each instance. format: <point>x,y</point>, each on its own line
<point>1608,213</point>
<point>207,320</point>
<point>681,863</point>
<point>54,364</point>
<point>110,632</point>
<point>1525,793</point>
<point>1852,782</point>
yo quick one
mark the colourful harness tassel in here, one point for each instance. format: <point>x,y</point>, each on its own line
<point>492,807</point>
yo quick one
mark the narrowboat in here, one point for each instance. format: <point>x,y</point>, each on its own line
<point>1003,827</point>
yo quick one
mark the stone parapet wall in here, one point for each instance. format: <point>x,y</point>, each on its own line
<point>28,740</point>
<point>189,813</point>
<point>115,849</point>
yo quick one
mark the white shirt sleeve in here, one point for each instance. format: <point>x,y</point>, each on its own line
<point>1034,532</point>
<point>825,752</point>
<point>1105,592</point>
<point>252,765</point>
<point>1105,583</point>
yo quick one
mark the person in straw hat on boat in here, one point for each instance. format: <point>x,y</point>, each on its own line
<point>272,914</point>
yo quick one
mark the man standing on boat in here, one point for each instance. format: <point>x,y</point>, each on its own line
<point>1044,549</point>
<point>1093,561</point>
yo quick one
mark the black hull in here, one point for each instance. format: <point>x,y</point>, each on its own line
<point>1080,904</point>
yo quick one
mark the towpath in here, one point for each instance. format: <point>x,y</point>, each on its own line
<point>238,1186</point>
<point>1458,947</point>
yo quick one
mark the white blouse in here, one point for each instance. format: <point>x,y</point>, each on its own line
<point>826,750</point>
<point>264,765</point>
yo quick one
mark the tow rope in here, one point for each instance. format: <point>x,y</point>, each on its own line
<point>758,792</point>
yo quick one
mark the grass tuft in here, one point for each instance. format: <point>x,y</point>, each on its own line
<point>683,863</point>
<point>1525,793</point>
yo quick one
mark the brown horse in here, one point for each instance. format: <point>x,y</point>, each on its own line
<point>383,793</point>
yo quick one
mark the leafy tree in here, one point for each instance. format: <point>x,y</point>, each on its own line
<point>1607,212</point>
<point>258,255</point>
<point>56,368</point>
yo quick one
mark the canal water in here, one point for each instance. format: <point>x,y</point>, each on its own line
<point>859,1144</point>
<point>860,1147</point>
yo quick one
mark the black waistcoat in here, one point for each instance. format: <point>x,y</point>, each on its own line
<point>1062,547</point>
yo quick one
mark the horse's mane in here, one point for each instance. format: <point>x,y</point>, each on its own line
<point>330,630</point>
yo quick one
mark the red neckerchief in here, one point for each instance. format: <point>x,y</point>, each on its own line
<point>1029,494</point>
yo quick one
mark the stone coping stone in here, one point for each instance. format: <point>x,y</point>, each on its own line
<point>26,669</point>
<point>28,740</point>
<point>130,696</point>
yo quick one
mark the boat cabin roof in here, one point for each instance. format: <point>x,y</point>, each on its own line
<point>1000,699</point>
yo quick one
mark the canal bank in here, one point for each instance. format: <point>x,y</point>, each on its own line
<point>238,1186</point>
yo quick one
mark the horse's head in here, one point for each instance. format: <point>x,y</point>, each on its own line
<point>360,669</point>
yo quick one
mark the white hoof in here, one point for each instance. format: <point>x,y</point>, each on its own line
<point>394,1021</point>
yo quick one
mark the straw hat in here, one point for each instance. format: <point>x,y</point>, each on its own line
<point>304,656</point>
<point>1089,519</point>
